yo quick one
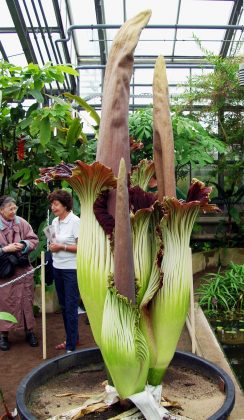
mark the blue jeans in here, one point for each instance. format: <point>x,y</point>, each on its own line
<point>68,296</point>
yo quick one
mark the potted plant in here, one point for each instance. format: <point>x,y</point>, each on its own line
<point>133,261</point>
<point>49,130</point>
<point>41,377</point>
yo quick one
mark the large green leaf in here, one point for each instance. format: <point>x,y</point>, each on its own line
<point>45,131</point>
<point>38,84</point>
<point>32,108</point>
<point>5,316</point>
<point>18,174</point>
<point>74,130</point>
<point>68,69</point>
<point>11,91</point>
<point>26,179</point>
<point>25,123</point>
<point>24,175</point>
<point>37,95</point>
<point>58,100</point>
<point>85,106</point>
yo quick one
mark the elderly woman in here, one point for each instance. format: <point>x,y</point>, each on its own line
<point>17,238</point>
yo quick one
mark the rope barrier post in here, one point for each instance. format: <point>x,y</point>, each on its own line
<point>44,342</point>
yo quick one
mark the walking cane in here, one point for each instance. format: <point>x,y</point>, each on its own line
<point>44,342</point>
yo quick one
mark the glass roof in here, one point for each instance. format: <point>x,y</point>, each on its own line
<point>33,30</point>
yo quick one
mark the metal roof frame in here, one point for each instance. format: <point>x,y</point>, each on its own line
<point>60,50</point>
<point>21,30</point>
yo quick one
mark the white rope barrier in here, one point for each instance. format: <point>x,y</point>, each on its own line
<point>23,275</point>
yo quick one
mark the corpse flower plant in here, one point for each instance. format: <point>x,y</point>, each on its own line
<point>133,260</point>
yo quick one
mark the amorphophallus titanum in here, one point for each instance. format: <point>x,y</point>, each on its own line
<point>170,306</point>
<point>133,259</point>
<point>163,142</point>
<point>123,345</point>
<point>95,261</point>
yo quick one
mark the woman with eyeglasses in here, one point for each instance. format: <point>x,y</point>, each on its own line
<point>18,239</point>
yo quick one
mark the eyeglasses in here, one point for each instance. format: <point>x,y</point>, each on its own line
<point>11,209</point>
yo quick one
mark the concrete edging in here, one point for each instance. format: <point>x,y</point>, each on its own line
<point>208,347</point>
<point>215,257</point>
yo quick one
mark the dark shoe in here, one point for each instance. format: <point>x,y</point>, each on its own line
<point>4,343</point>
<point>31,339</point>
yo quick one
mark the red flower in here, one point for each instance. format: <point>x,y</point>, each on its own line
<point>21,148</point>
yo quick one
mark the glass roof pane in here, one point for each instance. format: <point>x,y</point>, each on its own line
<point>48,12</point>
<point>152,42</point>
<point>155,42</point>
<point>90,82</point>
<point>143,76</point>
<point>177,76</point>
<point>115,14</point>
<point>13,49</point>
<point>187,46</point>
<point>87,42</point>
<point>202,12</point>
<point>205,12</point>
<point>46,54</point>
<point>162,14</point>
<point>64,15</point>
<point>6,19</point>
<point>85,15</point>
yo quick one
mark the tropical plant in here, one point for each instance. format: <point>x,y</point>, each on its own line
<point>194,146</point>
<point>47,132</point>
<point>220,95</point>
<point>222,293</point>
<point>230,196</point>
<point>221,112</point>
<point>133,260</point>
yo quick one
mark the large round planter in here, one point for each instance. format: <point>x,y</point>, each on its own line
<point>47,370</point>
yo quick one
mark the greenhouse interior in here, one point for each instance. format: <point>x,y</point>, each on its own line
<point>122,209</point>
